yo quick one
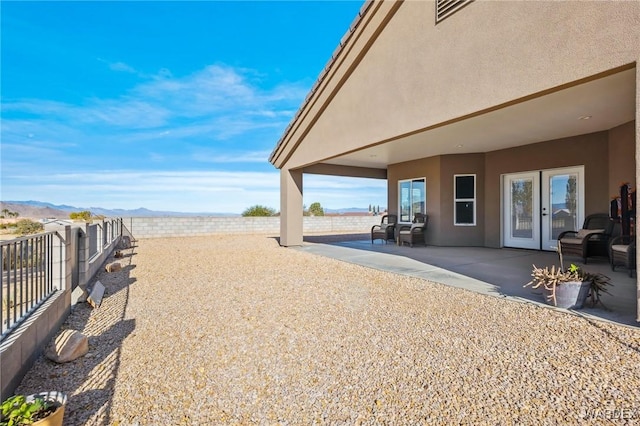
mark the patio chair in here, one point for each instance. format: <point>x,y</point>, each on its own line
<point>591,240</point>
<point>414,233</point>
<point>386,230</point>
<point>623,253</point>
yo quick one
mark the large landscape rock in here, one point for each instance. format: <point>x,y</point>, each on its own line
<point>125,242</point>
<point>69,345</point>
<point>113,267</point>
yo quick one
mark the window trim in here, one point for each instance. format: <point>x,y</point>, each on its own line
<point>411,212</point>
<point>456,200</point>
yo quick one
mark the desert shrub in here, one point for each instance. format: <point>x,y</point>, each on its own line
<point>258,210</point>
<point>315,209</point>
<point>28,227</point>
<point>83,215</point>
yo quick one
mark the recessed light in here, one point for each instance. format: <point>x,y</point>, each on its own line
<point>459,145</point>
<point>584,117</point>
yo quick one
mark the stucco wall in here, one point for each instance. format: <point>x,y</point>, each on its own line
<point>589,150</point>
<point>428,168</point>
<point>461,164</point>
<point>622,166</point>
<point>418,74</point>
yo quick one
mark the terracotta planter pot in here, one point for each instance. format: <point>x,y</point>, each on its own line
<point>54,419</point>
<point>570,295</point>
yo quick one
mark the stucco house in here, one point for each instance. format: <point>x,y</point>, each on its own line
<point>490,116</point>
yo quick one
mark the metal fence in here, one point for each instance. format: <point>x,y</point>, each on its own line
<point>27,278</point>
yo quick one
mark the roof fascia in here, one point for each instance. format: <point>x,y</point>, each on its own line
<point>371,20</point>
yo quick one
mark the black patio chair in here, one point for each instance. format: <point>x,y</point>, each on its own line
<point>592,240</point>
<point>414,233</point>
<point>623,253</point>
<point>386,230</point>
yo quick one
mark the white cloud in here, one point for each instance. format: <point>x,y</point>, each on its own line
<point>211,156</point>
<point>188,191</point>
<point>217,97</point>
<point>99,152</point>
<point>121,66</point>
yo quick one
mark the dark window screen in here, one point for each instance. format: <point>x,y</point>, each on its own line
<point>464,212</point>
<point>465,187</point>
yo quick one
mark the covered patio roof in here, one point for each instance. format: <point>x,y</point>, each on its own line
<point>595,104</point>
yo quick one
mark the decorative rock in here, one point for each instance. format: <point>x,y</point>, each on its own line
<point>69,345</point>
<point>125,242</point>
<point>78,295</point>
<point>95,297</point>
<point>113,267</point>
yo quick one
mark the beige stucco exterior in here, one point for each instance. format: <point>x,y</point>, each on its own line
<point>496,88</point>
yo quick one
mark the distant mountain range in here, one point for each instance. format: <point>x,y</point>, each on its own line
<point>43,210</point>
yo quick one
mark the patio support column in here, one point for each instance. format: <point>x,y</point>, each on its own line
<point>637,183</point>
<point>291,207</point>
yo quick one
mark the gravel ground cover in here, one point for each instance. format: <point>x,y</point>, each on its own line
<point>226,330</point>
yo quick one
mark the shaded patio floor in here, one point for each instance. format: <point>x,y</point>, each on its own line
<point>495,272</point>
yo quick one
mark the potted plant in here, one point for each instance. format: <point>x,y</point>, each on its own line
<point>569,288</point>
<point>42,409</point>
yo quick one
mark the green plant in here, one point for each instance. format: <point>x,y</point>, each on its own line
<point>550,278</point>
<point>258,210</point>
<point>83,215</point>
<point>28,227</point>
<point>17,411</point>
<point>316,209</point>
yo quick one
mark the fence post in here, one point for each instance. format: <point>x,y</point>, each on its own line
<point>100,236</point>
<point>84,253</point>
<point>62,247</point>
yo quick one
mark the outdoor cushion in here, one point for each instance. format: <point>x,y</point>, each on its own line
<point>585,232</point>
<point>570,240</point>
<point>621,248</point>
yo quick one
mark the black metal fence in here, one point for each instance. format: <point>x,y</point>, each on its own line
<point>27,278</point>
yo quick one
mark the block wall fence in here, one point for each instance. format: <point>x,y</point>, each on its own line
<point>163,227</point>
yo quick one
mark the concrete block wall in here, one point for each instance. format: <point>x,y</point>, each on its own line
<point>160,227</point>
<point>19,350</point>
<point>90,262</point>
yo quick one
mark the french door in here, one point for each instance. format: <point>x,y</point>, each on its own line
<point>539,205</point>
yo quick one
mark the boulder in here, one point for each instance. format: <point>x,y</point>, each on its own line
<point>96,294</point>
<point>113,267</point>
<point>125,242</point>
<point>69,345</point>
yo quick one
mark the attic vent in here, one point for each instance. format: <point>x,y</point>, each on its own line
<point>446,8</point>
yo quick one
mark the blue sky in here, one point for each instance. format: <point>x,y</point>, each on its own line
<point>164,105</point>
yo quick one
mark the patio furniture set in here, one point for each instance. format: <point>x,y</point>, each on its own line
<point>411,234</point>
<point>600,236</point>
<point>610,235</point>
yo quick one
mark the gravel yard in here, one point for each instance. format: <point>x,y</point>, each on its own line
<point>224,330</point>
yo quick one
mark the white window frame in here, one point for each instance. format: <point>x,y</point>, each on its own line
<point>411,212</point>
<point>457,200</point>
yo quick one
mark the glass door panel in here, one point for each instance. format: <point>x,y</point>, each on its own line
<point>562,203</point>
<point>521,213</point>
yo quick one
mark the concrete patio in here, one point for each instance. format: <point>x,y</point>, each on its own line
<point>495,272</point>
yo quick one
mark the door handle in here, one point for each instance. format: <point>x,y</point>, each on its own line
<point>545,214</point>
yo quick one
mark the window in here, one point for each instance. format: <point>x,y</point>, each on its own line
<point>412,196</point>
<point>464,212</point>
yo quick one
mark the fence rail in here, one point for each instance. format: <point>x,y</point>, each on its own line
<point>27,278</point>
